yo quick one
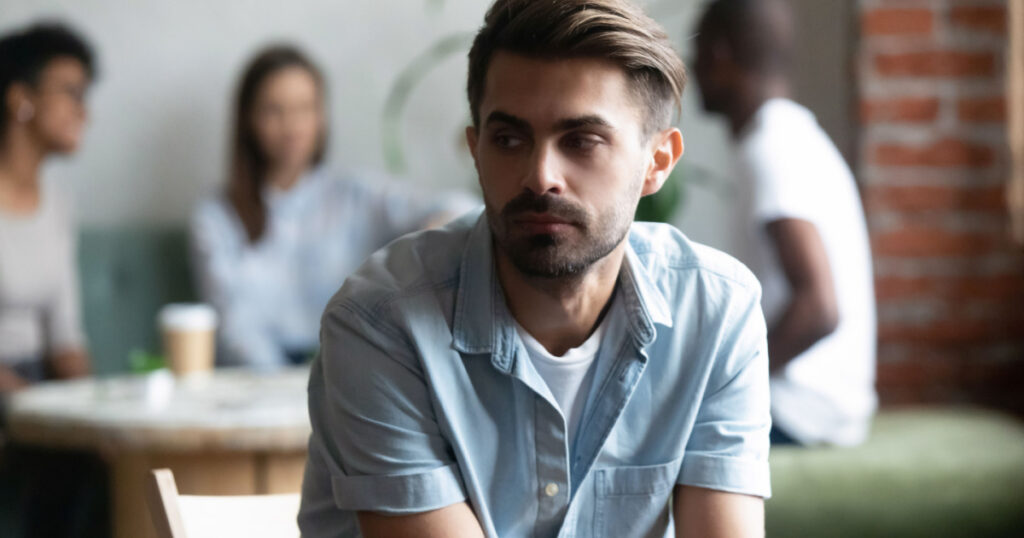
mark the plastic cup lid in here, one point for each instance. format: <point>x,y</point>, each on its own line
<point>187,316</point>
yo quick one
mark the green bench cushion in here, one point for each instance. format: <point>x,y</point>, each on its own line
<point>927,472</point>
<point>127,274</point>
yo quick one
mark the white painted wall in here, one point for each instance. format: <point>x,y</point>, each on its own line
<point>160,110</point>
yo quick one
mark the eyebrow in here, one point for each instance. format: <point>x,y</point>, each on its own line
<point>569,124</point>
<point>566,124</point>
<point>502,117</point>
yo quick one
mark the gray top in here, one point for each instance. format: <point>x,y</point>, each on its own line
<point>39,297</point>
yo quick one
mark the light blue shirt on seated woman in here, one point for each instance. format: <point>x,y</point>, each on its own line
<point>270,293</point>
<point>423,394</point>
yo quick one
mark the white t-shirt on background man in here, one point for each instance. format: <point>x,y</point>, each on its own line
<point>793,171</point>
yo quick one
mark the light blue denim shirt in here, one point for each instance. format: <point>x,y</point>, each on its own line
<point>423,394</point>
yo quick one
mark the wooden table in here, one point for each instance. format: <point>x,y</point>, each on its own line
<point>231,432</point>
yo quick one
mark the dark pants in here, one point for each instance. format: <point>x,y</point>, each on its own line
<point>62,493</point>
<point>780,438</point>
<point>52,493</point>
<point>32,371</point>
<point>297,357</point>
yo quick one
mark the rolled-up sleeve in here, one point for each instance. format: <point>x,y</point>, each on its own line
<point>728,448</point>
<point>376,444</point>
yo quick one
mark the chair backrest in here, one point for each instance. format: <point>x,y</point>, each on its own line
<point>202,516</point>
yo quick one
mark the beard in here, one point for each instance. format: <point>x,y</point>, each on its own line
<point>562,254</point>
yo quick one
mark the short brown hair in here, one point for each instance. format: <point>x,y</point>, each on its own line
<point>615,30</point>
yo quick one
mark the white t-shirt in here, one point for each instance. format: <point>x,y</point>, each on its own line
<point>793,171</point>
<point>568,377</point>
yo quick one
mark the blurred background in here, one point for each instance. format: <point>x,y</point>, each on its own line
<point>913,93</point>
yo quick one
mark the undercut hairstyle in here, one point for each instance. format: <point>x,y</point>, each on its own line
<point>759,33</point>
<point>24,54</point>
<point>615,30</point>
<point>248,168</point>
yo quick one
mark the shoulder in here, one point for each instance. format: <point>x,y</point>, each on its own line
<point>776,124</point>
<point>423,262</point>
<point>788,148</point>
<point>55,218</point>
<point>213,208</point>
<point>663,250</point>
<point>351,183</point>
<point>215,217</point>
<point>58,200</point>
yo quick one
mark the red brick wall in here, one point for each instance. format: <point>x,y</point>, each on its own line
<point>933,163</point>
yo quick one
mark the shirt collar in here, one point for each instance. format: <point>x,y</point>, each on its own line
<point>482,323</point>
<point>642,297</point>
<point>275,197</point>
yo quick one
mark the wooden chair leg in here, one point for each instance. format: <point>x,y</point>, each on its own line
<point>162,498</point>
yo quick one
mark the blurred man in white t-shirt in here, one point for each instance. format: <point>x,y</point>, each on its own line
<point>808,242</point>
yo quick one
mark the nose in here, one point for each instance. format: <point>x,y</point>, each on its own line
<point>544,175</point>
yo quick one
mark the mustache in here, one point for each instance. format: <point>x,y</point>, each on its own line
<point>529,202</point>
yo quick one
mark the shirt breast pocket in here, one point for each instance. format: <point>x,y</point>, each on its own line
<point>634,501</point>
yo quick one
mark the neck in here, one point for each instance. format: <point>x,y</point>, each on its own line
<point>285,177</point>
<point>561,313</point>
<point>758,91</point>
<point>20,161</point>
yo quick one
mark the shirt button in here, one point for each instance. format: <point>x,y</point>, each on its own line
<point>551,489</point>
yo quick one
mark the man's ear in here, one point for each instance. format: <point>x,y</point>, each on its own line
<point>16,97</point>
<point>666,149</point>
<point>471,141</point>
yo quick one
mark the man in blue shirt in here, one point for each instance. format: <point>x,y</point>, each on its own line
<point>548,368</point>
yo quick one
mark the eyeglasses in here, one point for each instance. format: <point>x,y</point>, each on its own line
<point>77,92</point>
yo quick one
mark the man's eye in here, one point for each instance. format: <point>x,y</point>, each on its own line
<point>507,141</point>
<point>581,142</point>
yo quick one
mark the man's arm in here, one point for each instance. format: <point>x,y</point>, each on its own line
<point>10,381</point>
<point>728,446</point>
<point>706,513</point>
<point>455,521</point>
<point>813,311</point>
<point>70,363</point>
<point>66,364</point>
<point>377,449</point>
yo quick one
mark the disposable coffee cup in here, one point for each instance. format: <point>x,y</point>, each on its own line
<point>188,331</point>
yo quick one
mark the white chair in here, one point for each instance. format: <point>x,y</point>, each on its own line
<point>218,516</point>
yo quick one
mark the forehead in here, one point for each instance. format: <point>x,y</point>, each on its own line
<point>64,69</point>
<point>543,91</point>
<point>291,82</point>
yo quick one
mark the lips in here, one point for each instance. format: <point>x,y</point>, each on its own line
<point>548,214</point>
<point>543,223</point>
<point>541,219</point>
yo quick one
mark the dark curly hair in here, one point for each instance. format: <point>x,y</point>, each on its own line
<point>24,54</point>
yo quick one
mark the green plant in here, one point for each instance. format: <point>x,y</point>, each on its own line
<point>662,205</point>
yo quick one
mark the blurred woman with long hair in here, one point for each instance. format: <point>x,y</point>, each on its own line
<point>276,244</point>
